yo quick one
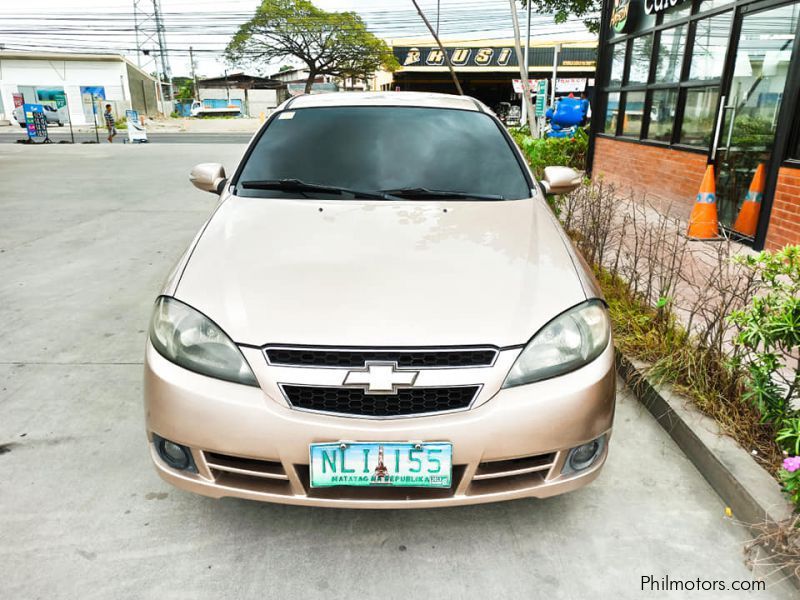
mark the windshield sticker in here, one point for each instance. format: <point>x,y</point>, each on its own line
<point>286,115</point>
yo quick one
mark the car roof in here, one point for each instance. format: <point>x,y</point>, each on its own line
<point>411,99</point>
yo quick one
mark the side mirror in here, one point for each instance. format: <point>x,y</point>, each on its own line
<point>560,180</point>
<point>209,177</point>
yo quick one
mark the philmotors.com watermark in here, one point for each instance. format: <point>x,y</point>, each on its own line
<point>651,583</point>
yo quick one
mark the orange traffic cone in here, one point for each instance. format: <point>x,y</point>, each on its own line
<point>748,215</point>
<point>703,223</point>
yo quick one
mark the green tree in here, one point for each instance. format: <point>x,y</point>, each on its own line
<point>336,44</point>
<point>563,9</point>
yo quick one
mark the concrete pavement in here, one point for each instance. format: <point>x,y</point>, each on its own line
<point>89,232</point>
<point>61,136</point>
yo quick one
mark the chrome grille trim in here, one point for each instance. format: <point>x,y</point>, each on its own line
<point>353,357</point>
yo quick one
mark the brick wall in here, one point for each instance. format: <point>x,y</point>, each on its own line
<point>784,221</point>
<point>672,176</point>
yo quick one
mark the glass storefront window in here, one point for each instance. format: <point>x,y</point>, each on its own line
<point>678,12</point>
<point>753,106</point>
<point>670,54</point>
<point>662,115</point>
<point>707,5</point>
<point>640,59</point>
<point>634,111</point>
<point>612,112</point>
<point>617,64</point>
<point>698,116</point>
<point>710,43</point>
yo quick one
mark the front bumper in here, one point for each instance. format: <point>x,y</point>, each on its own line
<point>225,424</point>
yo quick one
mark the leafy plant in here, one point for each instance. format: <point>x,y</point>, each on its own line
<point>564,9</point>
<point>769,329</point>
<point>545,152</point>
<point>336,44</point>
<point>790,478</point>
<point>789,436</point>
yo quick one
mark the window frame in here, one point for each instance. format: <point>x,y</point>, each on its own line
<point>682,86</point>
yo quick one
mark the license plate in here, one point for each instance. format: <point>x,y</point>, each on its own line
<point>378,464</point>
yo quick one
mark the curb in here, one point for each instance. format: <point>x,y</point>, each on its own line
<point>751,492</point>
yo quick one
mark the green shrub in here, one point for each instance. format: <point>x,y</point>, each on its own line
<point>790,478</point>
<point>769,329</point>
<point>545,152</point>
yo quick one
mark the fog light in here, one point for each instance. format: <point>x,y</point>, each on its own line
<point>583,456</point>
<point>175,455</point>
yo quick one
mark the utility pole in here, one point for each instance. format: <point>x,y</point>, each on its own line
<point>194,77</point>
<point>526,84</point>
<point>556,52</point>
<point>441,48</point>
<point>162,46</point>
<point>527,58</point>
<point>149,30</point>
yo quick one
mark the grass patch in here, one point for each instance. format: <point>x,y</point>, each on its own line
<point>652,335</point>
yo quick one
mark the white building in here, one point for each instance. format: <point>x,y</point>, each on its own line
<point>299,75</point>
<point>77,84</point>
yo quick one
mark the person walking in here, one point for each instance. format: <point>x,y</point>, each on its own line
<point>112,130</point>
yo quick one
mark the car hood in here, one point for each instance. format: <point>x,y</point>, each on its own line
<point>380,273</point>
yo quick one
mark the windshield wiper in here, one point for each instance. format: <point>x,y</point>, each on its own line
<point>420,192</point>
<point>296,185</point>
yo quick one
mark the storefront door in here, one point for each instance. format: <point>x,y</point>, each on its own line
<point>752,102</point>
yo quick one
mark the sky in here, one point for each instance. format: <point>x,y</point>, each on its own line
<point>206,25</point>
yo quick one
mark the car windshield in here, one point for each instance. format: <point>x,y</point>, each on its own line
<point>419,153</point>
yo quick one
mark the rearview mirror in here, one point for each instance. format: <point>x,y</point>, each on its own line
<point>560,180</point>
<point>209,177</point>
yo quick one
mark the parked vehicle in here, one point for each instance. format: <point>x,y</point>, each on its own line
<point>54,117</point>
<point>200,110</point>
<point>382,312</point>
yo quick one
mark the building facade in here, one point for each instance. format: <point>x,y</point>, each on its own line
<point>690,83</point>
<point>75,84</point>
<point>486,68</point>
<point>253,95</point>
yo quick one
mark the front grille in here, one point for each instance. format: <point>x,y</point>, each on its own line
<point>351,401</point>
<point>419,359</point>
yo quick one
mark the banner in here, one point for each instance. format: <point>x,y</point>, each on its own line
<point>570,85</point>
<point>517,85</point>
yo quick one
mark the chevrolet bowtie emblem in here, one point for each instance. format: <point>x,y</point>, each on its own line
<point>381,378</point>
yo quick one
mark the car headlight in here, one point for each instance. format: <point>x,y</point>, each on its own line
<point>568,342</point>
<point>190,339</point>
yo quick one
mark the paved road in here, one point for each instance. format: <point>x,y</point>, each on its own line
<point>62,136</point>
<point>83,248</point>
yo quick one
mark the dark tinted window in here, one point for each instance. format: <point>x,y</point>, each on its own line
<point>381,148</point>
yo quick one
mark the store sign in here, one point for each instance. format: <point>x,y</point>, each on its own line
<point>541,97</point>
<point>657,6</point>
<point>621,19</point>
<point>417,57</point>
<point>35,122</point>
<point>570,85</point>
<point>459,57</point>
